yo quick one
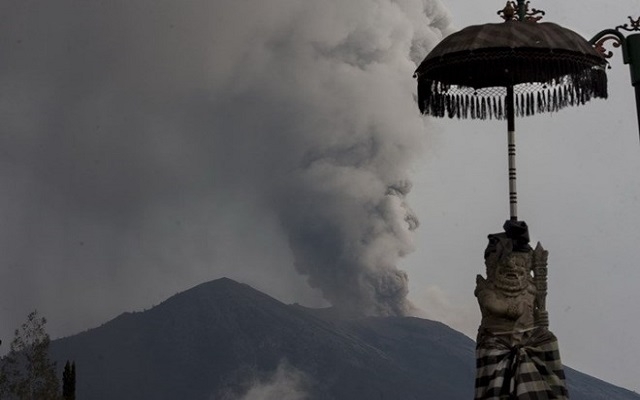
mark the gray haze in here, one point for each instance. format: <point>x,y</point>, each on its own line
<point>151,145</point>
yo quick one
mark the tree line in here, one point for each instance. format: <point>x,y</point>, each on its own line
<point>27,373</point>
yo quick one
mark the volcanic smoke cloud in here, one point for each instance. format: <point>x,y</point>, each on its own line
<point>343,205</point>
<point>125,124</point>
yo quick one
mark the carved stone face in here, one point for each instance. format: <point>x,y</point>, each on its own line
<point>514,273</point>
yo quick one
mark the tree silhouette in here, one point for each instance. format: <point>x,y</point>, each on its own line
<point>26,372</point>
<point>69,381</point>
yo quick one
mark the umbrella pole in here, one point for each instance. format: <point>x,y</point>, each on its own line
<point>511,145</point>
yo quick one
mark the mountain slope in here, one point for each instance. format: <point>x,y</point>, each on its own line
<point>219,338</point>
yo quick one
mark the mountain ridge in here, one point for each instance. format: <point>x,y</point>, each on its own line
<point>213,340</point>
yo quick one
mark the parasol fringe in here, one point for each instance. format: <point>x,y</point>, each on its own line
<point>440,99</point>
<point>572,94</point>
<point>530,104</point>
<point>484,108</point>
<point>466,106</point>
<point>560,98</point>
<point>495,108</point>
<point>473,107</point>
<point>539,104</point>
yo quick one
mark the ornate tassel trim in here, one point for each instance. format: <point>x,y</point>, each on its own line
<point>440,100</point>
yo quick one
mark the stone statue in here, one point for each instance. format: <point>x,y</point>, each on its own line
<point>517,356</point>
<point>507,296</point>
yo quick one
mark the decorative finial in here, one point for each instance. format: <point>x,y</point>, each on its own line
<point>599,46</point>
<point>534,15</point>
<point>635,25</point>
<point>509,12</point>
<point>520,12</point>
<point>616,38</point>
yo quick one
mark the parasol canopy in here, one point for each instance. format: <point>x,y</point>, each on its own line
<point>516,68</point>
<point>550,67</point>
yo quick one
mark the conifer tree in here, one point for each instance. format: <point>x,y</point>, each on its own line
<point>69,381</point>
<point>3,379</point>
<point>26,372</point>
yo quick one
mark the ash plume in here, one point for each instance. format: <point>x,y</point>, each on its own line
<point>143,139</point>
<point>343,204</point>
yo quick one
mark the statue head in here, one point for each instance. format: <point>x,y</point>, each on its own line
<point>512,273</point>
<point>509,270</point>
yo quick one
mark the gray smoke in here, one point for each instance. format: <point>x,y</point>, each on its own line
<point>342,202</point>
<point>141,138</point>
<point>285,383</point>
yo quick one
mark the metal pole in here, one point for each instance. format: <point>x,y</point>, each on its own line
<point>632,45</point>
<point>511,146</point>
<point>630,52</point>
<point>637,87</point>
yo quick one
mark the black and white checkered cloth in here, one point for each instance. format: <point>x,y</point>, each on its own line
<point>530,371</point>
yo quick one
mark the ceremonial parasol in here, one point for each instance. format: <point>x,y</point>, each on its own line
<point>516,68</point>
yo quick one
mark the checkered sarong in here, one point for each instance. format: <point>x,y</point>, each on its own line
<point>529,371</point>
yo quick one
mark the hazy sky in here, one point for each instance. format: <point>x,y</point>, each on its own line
<point>149,146</point>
